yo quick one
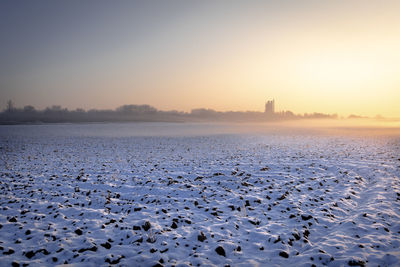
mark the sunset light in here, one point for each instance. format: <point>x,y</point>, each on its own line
<point>313,56</point>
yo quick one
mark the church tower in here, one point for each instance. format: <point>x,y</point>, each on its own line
<point>270,107</point>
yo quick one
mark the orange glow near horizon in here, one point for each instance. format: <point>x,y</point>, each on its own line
<point>312,56</point>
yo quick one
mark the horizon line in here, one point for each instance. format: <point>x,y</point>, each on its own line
<point>338,116</point>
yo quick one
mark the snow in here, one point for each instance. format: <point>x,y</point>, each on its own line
<point>85,195</point>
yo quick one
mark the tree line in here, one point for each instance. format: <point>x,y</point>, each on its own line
<point>145,113</point>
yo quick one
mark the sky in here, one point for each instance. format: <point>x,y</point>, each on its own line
<point>338,57</point>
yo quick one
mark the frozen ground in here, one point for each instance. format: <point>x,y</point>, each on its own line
<point>96,195</point>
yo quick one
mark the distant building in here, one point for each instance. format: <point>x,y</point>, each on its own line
<point>270,107</point>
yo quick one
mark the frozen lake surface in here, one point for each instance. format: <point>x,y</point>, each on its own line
<point>145,194</point>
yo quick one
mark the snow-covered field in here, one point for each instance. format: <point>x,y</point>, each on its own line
<point>140,195</point>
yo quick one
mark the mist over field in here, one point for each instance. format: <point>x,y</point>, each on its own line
<point>268,120</point>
